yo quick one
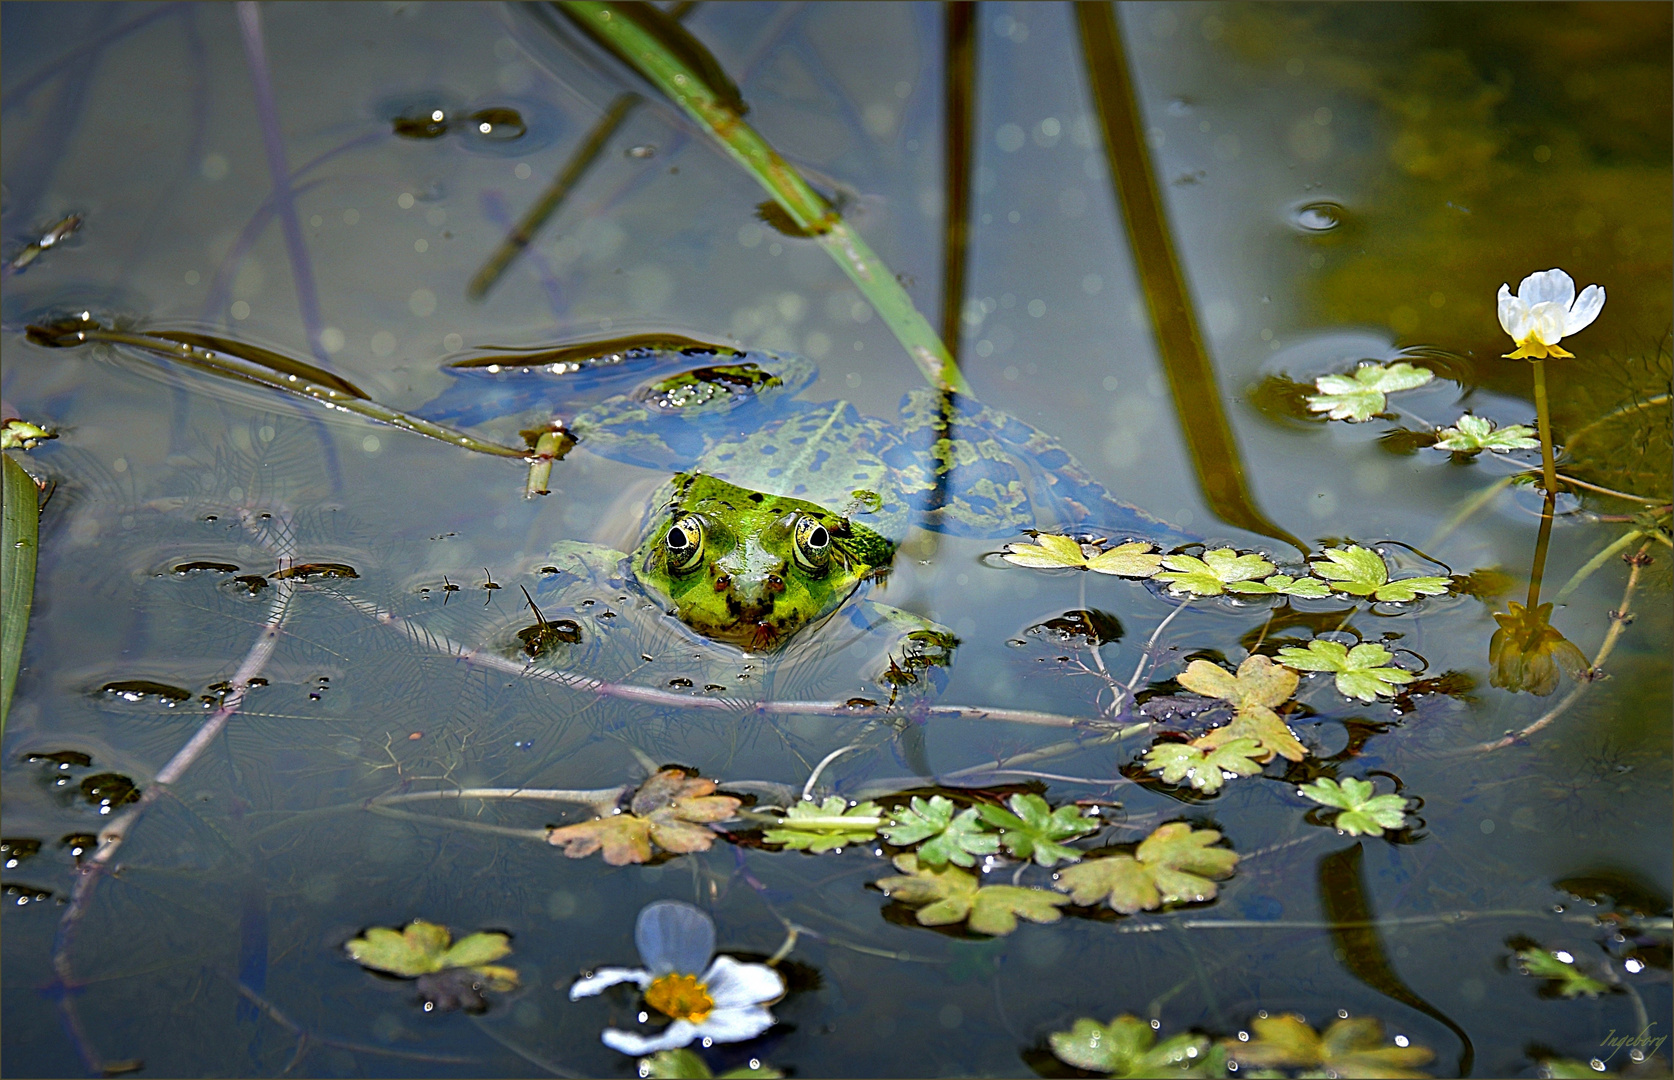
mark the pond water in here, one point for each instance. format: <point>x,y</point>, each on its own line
<point>1340,183</point>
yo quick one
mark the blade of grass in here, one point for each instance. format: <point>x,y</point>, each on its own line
<point>19,532</point>
<point>1191,375</point>
<point>636,35</point>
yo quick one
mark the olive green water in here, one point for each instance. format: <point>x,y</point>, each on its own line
<point>1342,183</point>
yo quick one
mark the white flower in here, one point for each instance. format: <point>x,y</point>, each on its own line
<point>1545,311</point>
<point>725,1003</point>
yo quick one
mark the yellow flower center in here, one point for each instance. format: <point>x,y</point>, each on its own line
<point>679,996</point>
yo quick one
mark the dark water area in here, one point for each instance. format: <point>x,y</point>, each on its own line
<point>335,606</point>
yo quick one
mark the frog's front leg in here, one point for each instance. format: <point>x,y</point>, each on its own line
<point>905,656</point>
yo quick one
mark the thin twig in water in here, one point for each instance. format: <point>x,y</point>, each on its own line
<point>813,777</point>
<point>306,1038</point>
<point>1618,621</point>
<point>91,869</point>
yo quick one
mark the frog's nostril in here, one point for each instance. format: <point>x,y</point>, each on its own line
<point>723,582</point>
<point>775,583</point>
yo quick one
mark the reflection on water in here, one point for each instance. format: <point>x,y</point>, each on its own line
<point>355,605</point>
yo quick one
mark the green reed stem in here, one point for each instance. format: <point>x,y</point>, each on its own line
<point>1595,562</point>
<point>1549,470</point>
<point>806,208</point>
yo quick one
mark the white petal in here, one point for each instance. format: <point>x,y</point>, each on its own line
<point>674,936</point>
<point>1585,310</point>
<point>1547,285</point>
<point>733,984</point>
<point>673,1037</point>
<point>1512,311</point>
<point>1546,323</point>
<point>606,977</point>
<point>735,1025</point>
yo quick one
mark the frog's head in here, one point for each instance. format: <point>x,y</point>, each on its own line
<point>752,569</point>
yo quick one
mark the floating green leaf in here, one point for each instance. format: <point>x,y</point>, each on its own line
<point>827,826</point>
<point>1264,726</point>
<point>1360,571</point>
<point>1050,552</point>
<point>1175,863</point>
<point>1031,829</point>
<point>952,895</point>
<point>670,808</point>
<point>942,835</point>
<point>1362,672</point>
<point>1213,573</point>
<point>1527,651</point>
<point>1559,966</point>
<point>1360,396</point>
<point>1205,767</point>
<point>686,1065</point>
<point>422,948</point>
<point>1127,1046</point>
<point>1569,1069</point>
<point>1308,588</point>
<point>1349,1048</point>
<point>1362,812</point>
<point>1473,434</point>
<point>22,435</point>
<point>20,525</point>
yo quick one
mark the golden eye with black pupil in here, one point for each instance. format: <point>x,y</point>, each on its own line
<point>813,545</point>
<point>685,544</point>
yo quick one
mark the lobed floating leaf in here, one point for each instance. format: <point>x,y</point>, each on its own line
<point>1360,571</point>
<point>451,974</point>
<point>1362,672</point>
<point>1259,685</point>
<point>1206,767</point>
<point>1032,830</point>
<point>1473,434</point>
<point>827,826</point>
<point>1175,864</point>
<point>942,835</point>
<point>1351,1047</point>
<point>1050,552</point>
<point>1213,574</point>
<point>686,1065</point>
<point>952,895</point>
<point>1308,588</point>
<point>1127,1046</point>
<point>670,809</point>
<point>1559,967</point>
<point>1362,811</point>
<point>1360,396</point>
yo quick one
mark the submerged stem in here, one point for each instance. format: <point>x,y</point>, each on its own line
<point>807,209</point>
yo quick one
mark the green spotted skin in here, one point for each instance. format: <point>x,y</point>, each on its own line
<point>761,472</point>
<point>748,568</point>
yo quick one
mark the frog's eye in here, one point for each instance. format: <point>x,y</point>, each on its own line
<point>813,545</point>
<point>685,544</point>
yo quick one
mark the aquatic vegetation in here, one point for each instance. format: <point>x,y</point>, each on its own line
<point>1175,864</point>
<point>19,536</point>
<point>1259,686</point>
<point>1528,652</point>
<point>1473,434</point>
<point>671,810</point>
<point>1128,1046</point>
<point>705,995</point>
<point>826,826</point>
<point>685,1065</point>
<point>1359,396</point>
<point>1362,672</point>
<point>1359,571</point>
<point>1033,830</point>
<point>1206,766</point>
<point>1350,1047</point>
<point>1218,571</point>
<point>942,835</point>
<point>1051,552</point>
<point>950,895</point>
<point>1544,312</point>
<point>1559,968</point>
<point>1361,812</point>
<point>451,974</point>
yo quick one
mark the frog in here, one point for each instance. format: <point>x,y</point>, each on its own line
<point>778,513</point>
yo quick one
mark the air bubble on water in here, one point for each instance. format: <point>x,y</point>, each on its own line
<point>1317,217</point>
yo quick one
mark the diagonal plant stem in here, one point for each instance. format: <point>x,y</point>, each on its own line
<point>1619,618</point>
<point>111,837</point>
<point>807,209</point>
